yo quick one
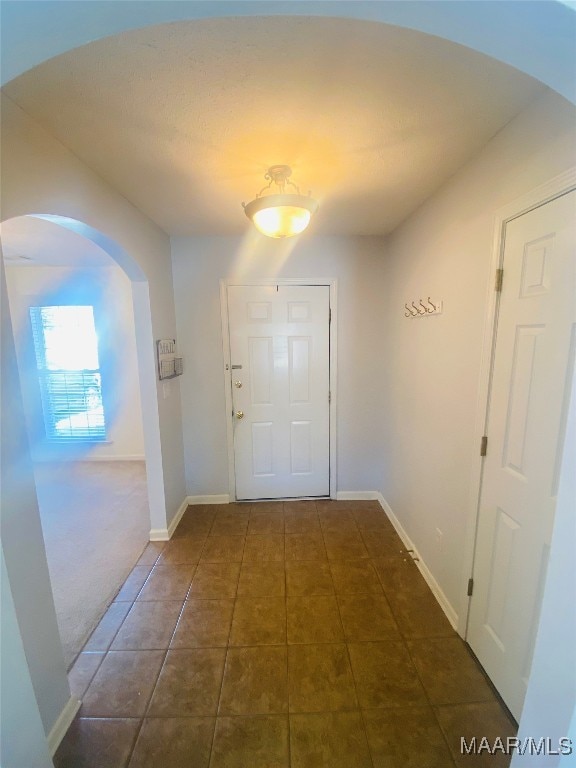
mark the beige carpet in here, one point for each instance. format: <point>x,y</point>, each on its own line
<point>96,523</point>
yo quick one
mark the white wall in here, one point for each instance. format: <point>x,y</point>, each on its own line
<point>25,556</point>
<point>433,364</point>
<point>199,264</point>
<point>109,291</point>
<point>41,176</point>
<point>20,747</point>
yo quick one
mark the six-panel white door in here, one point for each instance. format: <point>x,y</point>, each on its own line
<point>533,365</point>
<point>279,335</point>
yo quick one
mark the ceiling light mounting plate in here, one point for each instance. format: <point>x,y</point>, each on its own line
<point>279,174</point>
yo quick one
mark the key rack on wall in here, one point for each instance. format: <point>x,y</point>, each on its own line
<point>420,308</point>
<point>169,366</point>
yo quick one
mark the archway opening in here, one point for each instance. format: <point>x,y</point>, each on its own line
<point>70,291</point>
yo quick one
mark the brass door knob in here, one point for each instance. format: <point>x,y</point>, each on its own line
<point>239,414</point>
<point>238,384</point>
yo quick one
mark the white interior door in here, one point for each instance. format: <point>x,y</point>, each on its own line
<point>533,366</point>
<point>280,356</point>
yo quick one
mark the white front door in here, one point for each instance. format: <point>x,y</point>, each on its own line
<point>280,357</point>
<point>533,366</point>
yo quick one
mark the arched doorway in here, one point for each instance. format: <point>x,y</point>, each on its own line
<point>70,294</point>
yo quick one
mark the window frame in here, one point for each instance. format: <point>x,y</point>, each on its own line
<point>58,385</point>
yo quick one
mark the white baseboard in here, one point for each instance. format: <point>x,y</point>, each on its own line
<point>158,534</point>
<point>127,457</point>
<point>78,458</point>
<point>165,534</point>
<point>220,498</point>
<point>64,721</point>
<point>443,601</point>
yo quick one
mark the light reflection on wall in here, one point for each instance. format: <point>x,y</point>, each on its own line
<point>261,255</point>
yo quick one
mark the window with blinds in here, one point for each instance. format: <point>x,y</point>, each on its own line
<point>66,347</point>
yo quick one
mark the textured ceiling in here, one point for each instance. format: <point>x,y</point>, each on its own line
<point>183,119</point>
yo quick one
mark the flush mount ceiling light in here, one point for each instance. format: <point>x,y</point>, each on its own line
<point>280,214</point>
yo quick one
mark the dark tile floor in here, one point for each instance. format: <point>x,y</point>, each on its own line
<point>279,634</point>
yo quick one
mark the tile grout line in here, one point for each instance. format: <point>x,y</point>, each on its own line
<point>432,706</point>
<point>287,649</point>
<point>403,639</point>
<point>234,597</point>
<point>344,640</point>
<point>77,656</point>
<point>106,651</point>
<point>388,603</point>
<point>360,709</point>
<point>147,708</point>
<point>133,745</point>
<point>148,703</point>
<point>226,653</point>
<point>113,638</point>
<point>429,701</point>
<point>226,650</point>
<point>227,647</point>
<point>362,719</point>
<point>140,719</point>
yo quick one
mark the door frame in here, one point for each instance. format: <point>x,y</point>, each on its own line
<point>537,197</point>
<point>332,284</point>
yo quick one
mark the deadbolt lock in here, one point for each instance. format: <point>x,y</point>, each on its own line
<point>238,384</point>
<point>239,414</point>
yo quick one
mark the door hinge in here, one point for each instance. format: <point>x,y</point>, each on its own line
<point>484,445</point>
<point>499,278</point>
<point>470,587</point>
<point>330,315</point>
<point>329,397</point>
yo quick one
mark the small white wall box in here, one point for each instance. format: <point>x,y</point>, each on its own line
<point>169,365</point>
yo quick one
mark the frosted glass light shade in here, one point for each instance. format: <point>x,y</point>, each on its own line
<point>281,215</point>
<point>284,221</point>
